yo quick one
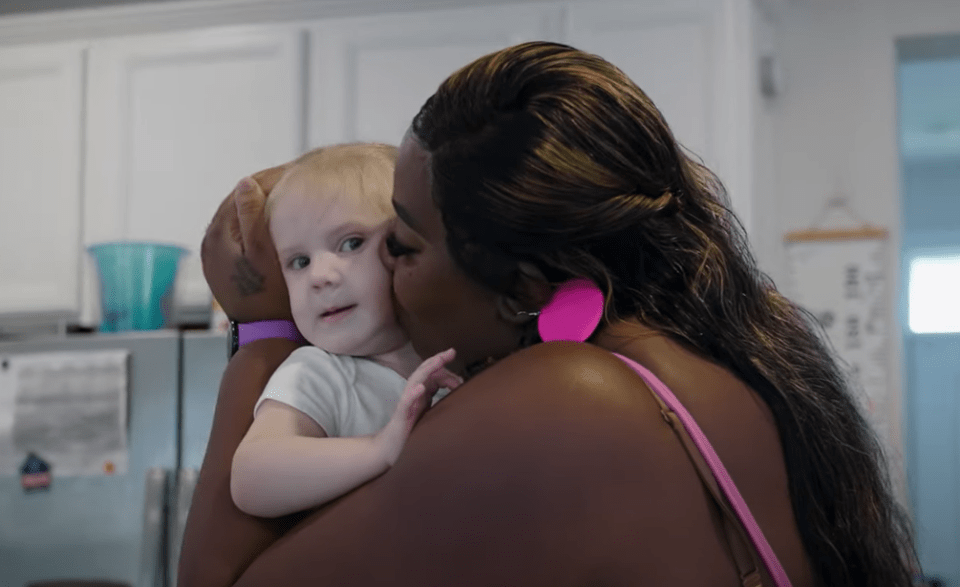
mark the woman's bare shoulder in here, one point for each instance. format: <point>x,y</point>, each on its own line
<point>561,408</point>
<point>580,449</point>
<point>570,373</point>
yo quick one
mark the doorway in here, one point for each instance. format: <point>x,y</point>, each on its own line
<point>928,76</point>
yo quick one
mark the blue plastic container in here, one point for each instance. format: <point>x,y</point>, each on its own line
<point>136,283</point>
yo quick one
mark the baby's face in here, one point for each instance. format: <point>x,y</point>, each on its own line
<point>339,289</point>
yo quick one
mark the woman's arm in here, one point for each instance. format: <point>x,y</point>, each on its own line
<point>219,540</point>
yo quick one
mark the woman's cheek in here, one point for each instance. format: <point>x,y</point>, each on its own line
<point>400,280</point>
<point>404,303</point>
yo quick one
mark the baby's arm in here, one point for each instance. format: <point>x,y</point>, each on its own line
<point>422,385</point>
<point>286,462</point>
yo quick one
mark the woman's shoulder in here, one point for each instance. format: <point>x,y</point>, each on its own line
<point>564,435</point>
<point>568,371</point>
<point>549,393</point>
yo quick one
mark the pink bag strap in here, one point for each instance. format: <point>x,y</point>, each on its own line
<point>722,477</point>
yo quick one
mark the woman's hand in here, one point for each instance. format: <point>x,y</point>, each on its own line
<point>425,381</point>
<point>239,259</point>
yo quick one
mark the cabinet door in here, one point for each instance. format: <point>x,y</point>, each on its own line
<point>694,59</point>
<point>41,91</point>
<point>174,122</point>
<point>371,75</point>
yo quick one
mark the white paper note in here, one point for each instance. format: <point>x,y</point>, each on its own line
<point>68,408</point>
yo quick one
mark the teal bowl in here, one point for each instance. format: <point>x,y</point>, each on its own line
<point>136,283</point>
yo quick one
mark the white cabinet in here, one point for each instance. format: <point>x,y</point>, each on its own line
<point>696,60</point>
<point>174,121</point>
<point>371,75</point>
<point>41,92</point>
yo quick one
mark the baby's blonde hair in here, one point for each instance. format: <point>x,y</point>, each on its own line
<point>362,172</point>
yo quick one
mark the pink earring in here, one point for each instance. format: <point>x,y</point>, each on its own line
<point>573,313</point>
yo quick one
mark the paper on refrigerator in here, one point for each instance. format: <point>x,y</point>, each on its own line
<point>69,408</point>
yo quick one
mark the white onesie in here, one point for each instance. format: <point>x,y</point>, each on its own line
<point>346,396</point>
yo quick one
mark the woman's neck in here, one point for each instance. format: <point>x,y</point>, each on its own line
<point>621,336</point>
<point>403,360</point>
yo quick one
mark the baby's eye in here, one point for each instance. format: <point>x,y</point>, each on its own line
<point>351,244</point>
<point>299,262</point>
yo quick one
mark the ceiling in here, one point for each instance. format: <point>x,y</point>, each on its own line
<point>33,6</point>
<point>8,7</point>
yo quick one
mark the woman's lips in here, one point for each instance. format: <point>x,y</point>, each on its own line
<point>336,314</point>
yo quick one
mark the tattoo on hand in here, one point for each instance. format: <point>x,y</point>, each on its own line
<point>248,280</point>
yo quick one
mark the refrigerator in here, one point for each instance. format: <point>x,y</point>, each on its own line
<point>121,524</point>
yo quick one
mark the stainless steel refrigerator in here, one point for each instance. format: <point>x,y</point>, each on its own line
<point>124,527</point>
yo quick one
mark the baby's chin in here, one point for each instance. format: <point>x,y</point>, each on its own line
<point>368,348</point>
<point>397,346</point>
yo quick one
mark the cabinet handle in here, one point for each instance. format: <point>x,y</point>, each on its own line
<point>186,483</point>
<point>154,502</point>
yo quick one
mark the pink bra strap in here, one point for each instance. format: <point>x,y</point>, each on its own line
<point>770,561</point>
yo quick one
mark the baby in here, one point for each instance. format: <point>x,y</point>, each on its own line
<point>336,414</point>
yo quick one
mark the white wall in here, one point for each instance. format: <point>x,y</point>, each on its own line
<point>836,123</point>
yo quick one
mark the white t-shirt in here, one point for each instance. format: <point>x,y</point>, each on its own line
<point>346,396</point>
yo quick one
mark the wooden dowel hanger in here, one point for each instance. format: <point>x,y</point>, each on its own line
<point>839,201</point>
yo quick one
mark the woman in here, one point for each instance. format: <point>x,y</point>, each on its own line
<point>553,464</point>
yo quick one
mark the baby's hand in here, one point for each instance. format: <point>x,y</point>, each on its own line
<point>425,381</point>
